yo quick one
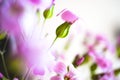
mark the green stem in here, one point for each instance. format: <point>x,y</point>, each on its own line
<point>4,65</point>
<point>53,42</point>
<point>5,44</point>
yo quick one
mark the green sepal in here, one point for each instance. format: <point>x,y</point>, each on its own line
<point>48,13</point>
<point>63,30</point>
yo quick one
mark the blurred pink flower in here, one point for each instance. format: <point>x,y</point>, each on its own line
<point>36,55</point>
<point>103,63</point>
<point>61,70</point>
<point>15,79</point>
<point>10,13</point>
<point>108,76</point>
<point>107,45</point>
<point>1,75</point>
<point>42,4</point>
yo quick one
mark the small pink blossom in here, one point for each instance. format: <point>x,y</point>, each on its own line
<point>107,45</point>
<point>103,63</point>
<point>68,16</point>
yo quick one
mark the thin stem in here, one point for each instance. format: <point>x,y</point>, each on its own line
<point>4,64</point>
<point>5,44</point>
<point>27,74</point>
<point>53,42</point>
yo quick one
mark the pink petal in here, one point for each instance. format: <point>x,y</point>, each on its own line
<point>60,68</point>
<point>69,16</point>
<point>38,71</point>
<point>56,78</point>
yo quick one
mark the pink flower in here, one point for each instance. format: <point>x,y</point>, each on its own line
<point>1,75</point>
<point>103,63</point>
<point>42,4</point>
<point>15,79</point>
<point>10,12</point>
<point>71,74</point>
<point>60,69</point>
<point>36,55</point>
<point>68,16</point>
<point>108,76</point>
<point>107,45</point>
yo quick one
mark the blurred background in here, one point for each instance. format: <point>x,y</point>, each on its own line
<point>95,17</point>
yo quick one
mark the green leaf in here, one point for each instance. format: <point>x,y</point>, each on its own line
<point>2,35</point>
<point>93,67</point>
<point>117,72</point>
<point>63,30</point>
<point>48,13</point>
